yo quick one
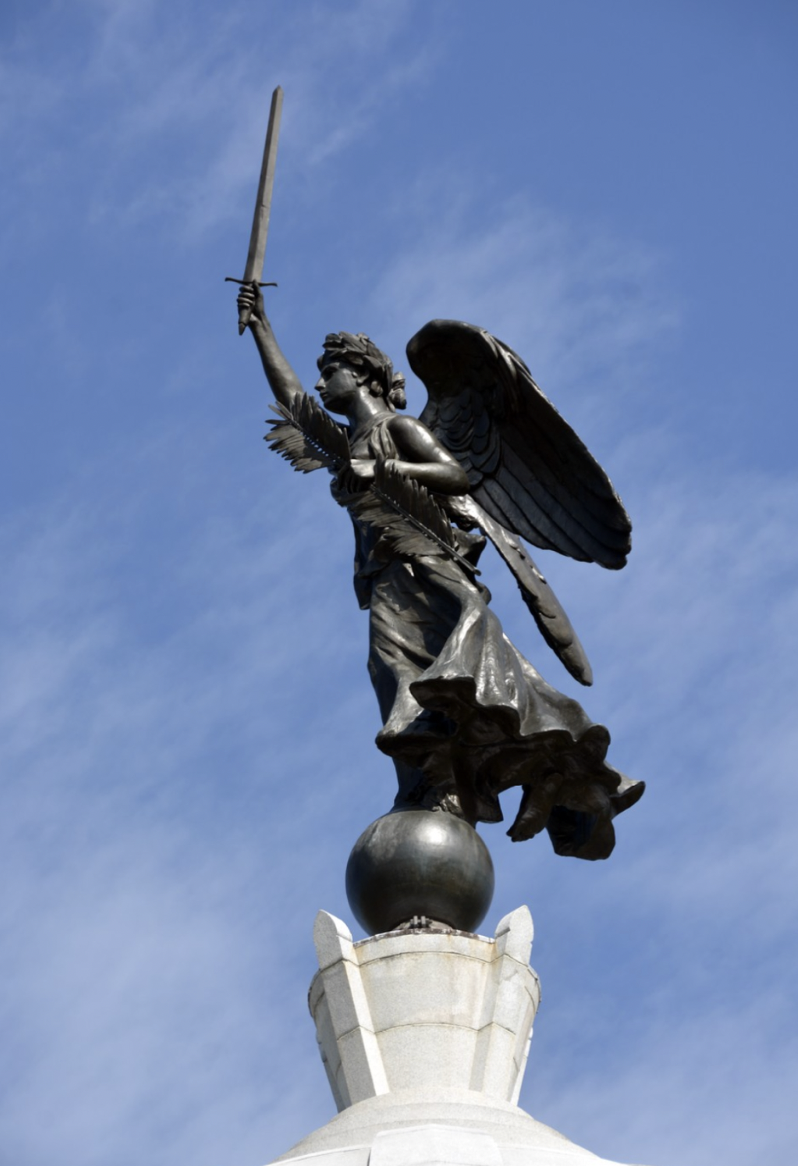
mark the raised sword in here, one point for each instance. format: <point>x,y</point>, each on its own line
<point>263,203</point>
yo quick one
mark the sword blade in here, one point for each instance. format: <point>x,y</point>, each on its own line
<point>263,203</point>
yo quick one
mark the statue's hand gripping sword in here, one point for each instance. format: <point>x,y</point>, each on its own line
<point>260,220</point>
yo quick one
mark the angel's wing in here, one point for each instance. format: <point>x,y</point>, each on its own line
<point>526,466</point>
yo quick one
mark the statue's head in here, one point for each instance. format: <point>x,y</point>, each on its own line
<point>372,368</point>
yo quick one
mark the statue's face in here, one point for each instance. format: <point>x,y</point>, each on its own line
<point>337,386</point>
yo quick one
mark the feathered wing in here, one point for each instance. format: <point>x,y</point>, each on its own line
<point>526,466</point>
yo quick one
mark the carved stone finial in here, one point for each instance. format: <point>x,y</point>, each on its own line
<point>424,1010</point>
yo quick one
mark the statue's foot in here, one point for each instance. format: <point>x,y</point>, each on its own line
<point>426,796</point>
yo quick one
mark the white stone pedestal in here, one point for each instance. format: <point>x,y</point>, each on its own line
<point>424,1036</point>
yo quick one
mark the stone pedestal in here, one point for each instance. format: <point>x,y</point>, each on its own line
<point>425,1011</point>
<point>424,1036</point>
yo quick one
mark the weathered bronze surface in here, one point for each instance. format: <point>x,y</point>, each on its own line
<point>465,715</point>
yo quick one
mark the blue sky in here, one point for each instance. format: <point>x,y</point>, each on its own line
<point>186,723</point>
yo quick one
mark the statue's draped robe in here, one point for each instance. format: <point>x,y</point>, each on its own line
<point>463,711</point>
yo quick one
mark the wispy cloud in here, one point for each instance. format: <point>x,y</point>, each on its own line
<point>193,91</point>
<point>586,311</point>
<point>114,741</point>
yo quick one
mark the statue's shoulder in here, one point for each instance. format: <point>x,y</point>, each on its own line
<point>408,430</point>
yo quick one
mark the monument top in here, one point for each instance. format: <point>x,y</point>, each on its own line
<point>424,1035</point>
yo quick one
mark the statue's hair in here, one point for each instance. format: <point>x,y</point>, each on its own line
<point>372,366</point>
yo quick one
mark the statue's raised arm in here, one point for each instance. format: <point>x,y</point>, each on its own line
<point>283,380</point>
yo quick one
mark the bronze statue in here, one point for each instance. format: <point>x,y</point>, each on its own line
<point>465,715</point>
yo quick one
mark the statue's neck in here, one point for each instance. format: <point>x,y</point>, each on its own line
<point>365,411</point>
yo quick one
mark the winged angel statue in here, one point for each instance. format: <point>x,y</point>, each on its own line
<point>465,715</point>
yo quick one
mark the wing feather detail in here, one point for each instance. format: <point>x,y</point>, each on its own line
<point>525,464</point>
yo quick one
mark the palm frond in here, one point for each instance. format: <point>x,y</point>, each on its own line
<point>307,437</point>
<point>409,520</point>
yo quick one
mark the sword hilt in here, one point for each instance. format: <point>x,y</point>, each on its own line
<point>245,313</point>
